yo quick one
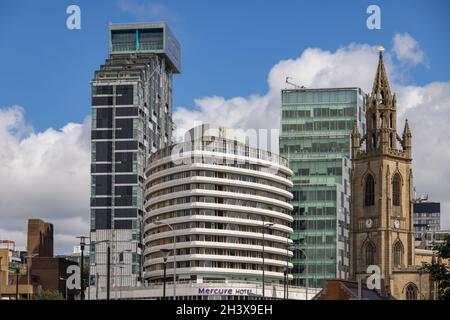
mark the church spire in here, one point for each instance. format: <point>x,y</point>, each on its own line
<point>380,89</point>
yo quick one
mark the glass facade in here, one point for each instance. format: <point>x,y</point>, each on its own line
<point>316,138</point>
<point>131,119</point>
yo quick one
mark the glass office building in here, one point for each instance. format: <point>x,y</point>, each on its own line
<point>131,118</point>
<point>316,139</point>
<point>427,217</point>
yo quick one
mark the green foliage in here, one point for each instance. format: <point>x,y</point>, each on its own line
<point>440,272</point>
<point>48,295</point>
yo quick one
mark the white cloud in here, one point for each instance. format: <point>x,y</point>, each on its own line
<point>148,11</point>
<point>407,49</point>
<point>43,175</point>
<point>428,107</point>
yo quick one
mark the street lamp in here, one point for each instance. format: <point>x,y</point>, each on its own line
<point>65,285</point>
<point>28,272</point>
<point>268,226</point>
<point>165,254</point>
<point>295,247</point>
<point>158,223</point>
<point>82,244</point>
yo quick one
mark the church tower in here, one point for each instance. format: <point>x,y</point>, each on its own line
<point>382,187</point>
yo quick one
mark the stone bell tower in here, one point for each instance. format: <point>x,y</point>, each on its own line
<point>382,187</point>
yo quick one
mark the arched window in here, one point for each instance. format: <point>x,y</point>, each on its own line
<point>411,292</point>
<point>369,191</point>
<point>390,120</point>
<point>374,141</point>
<point>396,188</point>
<point>381,120</point>
<point>369,254</point>
<point>398,253</point>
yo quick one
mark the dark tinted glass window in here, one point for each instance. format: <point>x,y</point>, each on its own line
<point>123,201</point>
<point>126,178</point>
<point>124,161</point>
<point>103,185</point>
<point>101,168</point>
<point>124,128</point>
<point>102,219</point>
<point>103,151</point>
<point>103,89</point>
<point>102,101</point>
<point>123,224</point>
<point>104,118</point>
<point>126,111</point>
<point>124,95</point>
<point>126,145</point>
<point>125,213</point>
<point>101,202</point>
<point>124,190</point>
<point>101,134</point>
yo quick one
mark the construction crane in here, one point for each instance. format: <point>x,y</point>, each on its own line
<point>293,84</point>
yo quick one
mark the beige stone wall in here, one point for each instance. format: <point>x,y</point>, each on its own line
<point>383,233</point>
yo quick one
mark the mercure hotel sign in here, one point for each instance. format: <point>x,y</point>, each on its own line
<point>225,291</point>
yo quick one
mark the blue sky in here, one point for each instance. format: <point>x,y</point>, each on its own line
<point>228,47</point>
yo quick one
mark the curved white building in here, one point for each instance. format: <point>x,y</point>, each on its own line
<point>217,194</point>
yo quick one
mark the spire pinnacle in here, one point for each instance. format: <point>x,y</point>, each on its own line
<point>380,87</point>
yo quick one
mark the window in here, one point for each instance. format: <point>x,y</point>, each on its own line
<point>369,199</point>
<point>398,253</point>
<point>411,292</point>
<point>396,190</point>
<point>369,254</point>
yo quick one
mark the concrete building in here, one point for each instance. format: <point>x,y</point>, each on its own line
<point>227,204</point>
<point>426,217</point>
<point>316,127</point>
<point>131,118</point>
<point>13,280</point>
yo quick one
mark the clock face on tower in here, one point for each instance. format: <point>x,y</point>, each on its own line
<point>369,223</point>
<point>397,224</point>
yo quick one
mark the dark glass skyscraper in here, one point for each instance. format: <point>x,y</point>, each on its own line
<point>131,118</point>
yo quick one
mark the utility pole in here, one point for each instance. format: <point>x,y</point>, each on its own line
<point>108,271</point>
<point>17,283</point>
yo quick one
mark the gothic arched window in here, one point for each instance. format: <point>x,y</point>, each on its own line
<point>374,141</point>
<point>396,188</point>
<point>369,191</point>
<point>390,120</point>
<point>369,254</point>
<point>411,292</point>
<point>398,253</point>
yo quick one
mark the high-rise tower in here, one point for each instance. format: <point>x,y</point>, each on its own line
<point>316,129</point>
<point>131,118</point>
<point>382,187</point>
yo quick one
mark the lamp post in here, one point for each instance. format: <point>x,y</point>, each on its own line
<point>158,223</point>
<point>295,247</point>
<point>82,244</point>
<point>65,285</point>
<point>265,225</point>
<point>17,283</point>
<point>1,277</point>
<point>28,273</point>
<point>165,254</point>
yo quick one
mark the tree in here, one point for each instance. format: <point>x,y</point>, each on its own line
<point>439,271</point>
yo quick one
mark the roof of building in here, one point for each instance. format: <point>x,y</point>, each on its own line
<point>336,289</point>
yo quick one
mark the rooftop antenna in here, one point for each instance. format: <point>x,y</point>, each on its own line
<point>296,86</point>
